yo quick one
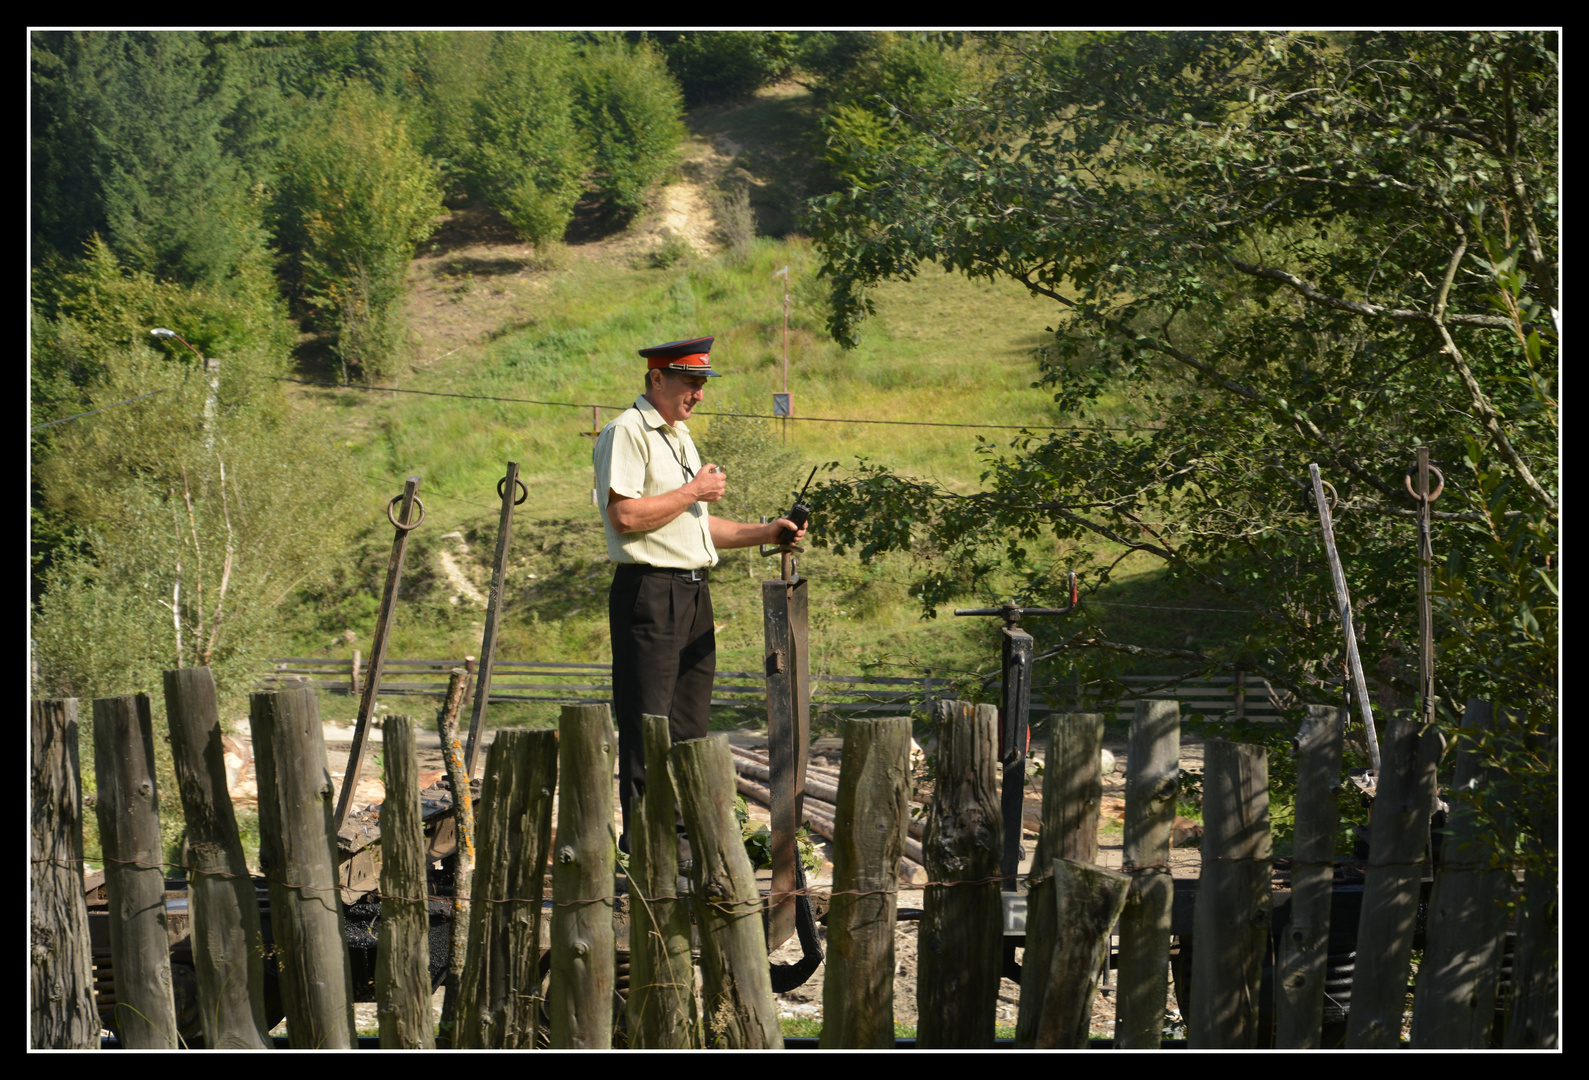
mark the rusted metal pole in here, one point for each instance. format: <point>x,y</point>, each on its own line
<point>63,1013</point>
<point>383,629</point>
<point>1343,600</point>
<point>227,940</point>
<point>129,833</point>
<point>508,487</point>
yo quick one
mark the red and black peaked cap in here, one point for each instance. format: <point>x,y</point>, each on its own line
<point>686,357</point>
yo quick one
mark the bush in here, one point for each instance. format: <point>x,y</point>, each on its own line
<point>356,199</point>
<point>529,158</point>
<point>630,108</point>
<point>719,65</point>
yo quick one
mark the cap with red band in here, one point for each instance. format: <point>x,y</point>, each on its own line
<point>686,357</point>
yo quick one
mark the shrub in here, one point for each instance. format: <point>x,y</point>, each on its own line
<point>630,108</point>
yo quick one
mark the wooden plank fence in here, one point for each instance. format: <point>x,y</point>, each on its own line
<point>856,695</point>
<point>1218,944</point>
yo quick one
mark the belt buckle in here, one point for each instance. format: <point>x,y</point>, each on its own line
<point>695,575</point>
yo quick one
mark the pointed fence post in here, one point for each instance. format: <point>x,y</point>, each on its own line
<point>869,839</point>
<point>402,959</point>
<point>961,937</point>
<point>583,965</point>
<point>228,945</point>
<point>129,833</point>
<point>1234,905</point>
<point>1152,782</point>
<point>62,970</point>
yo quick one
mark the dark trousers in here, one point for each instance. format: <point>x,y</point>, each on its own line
<point>664,653</point>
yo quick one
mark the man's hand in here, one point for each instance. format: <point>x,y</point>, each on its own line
<point>781,526</point>
<point>743,534</point>
<point>709,484</point>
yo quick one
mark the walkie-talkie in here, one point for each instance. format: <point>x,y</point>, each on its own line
<point>799,513</point>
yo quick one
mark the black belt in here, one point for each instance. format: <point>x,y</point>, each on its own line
<point>683,575</point>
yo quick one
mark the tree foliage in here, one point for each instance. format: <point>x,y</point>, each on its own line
<point>1278,248</point>
<point>720,65</point>
<point>356,199</point>
<point>631,110</point>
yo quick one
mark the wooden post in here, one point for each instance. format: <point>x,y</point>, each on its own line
<point>129,834</point>
<point>402,958</point>
<point>1152,781</point>
<point>508,488</point>
<point>298,851</point>
<point>383,630</point>
<point>661,1004</point>
<point>1087,901</point>
<point>1343,601</point>
<point>463,856</point>
<point>228,946</point>
<point>1454,1006</point>
<point>353,678</point>
<point>583,970</point>
<point>872,811</point>
<point>1305,945</point>
<point>62,972</point>
<point>1234,907</point>
<point>1399,836</point>
<point>740,1010</point>
<point>1072,794</point>
<point>1534,1014</point>
<point>961,938</point>
<point>500,993</point>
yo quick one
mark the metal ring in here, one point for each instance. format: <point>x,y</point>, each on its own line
<point>1330,499</point>
<point>397,499</point>
<point>520,500</point>
<point>1439,487</point>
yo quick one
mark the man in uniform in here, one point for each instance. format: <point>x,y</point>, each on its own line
<point>654,490</point>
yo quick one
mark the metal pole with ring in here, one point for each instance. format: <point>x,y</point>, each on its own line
<point>1343,600</point>
<point>1426,643</point>
<point>383,625</point>
<point>507,487</point>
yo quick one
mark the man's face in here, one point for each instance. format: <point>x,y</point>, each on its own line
<point>676,396</point>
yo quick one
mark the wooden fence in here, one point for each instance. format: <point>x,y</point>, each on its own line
<point>597,942</point>
<point>856,695</point>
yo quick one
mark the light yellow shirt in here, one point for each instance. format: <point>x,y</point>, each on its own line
<point>640,454</point>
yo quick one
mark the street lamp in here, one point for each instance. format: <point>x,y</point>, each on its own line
<point>213,368</point>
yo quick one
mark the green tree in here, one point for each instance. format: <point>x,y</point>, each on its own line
<point>129,142</point>
<point>631,110</point>
<point>356,199</point>
<point>719,65</point>
<point>529,158</point>
<point>1279,248</point>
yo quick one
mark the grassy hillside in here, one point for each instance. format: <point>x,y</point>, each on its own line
<point>941,348</point>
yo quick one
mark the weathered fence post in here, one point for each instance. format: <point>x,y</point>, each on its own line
<point>1234,906</point>
<point>871,816</point>
<point>1152,781</point>
<point>583,966</point>
<point>228,947</point>
<point>740,1010</point>
<point>298,851</point>
<point>661,1004</point>
<point>402,959</point>
<point>62,971</point>
<point>1072,794</point>
<point>463,857</point>
<point>500,992</point>
<point>1087,900</point>
<point>129,834</point>
<point>1305,946</point>
<point>1398,838</point>
<point>961,936</point>
<point>1534,1014</point>
<point>1454,1006</point>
